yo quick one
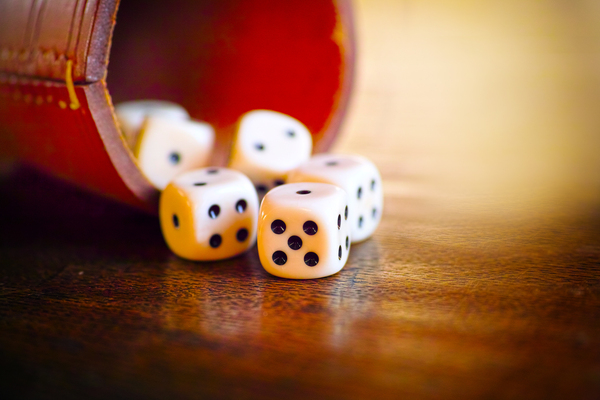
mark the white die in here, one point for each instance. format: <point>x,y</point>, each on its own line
<point>360,179</point>
<point>209,214</point>
<point>131,115</point>
<point>267,146</point>
<point>303,232</point>
<point>166,148</point>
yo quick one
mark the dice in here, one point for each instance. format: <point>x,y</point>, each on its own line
<point>303,231</point>
<point>267,146</point>
<point>131,115</point>
<point>209,214</point>
<point>167,147</point>
<point>360,179</point>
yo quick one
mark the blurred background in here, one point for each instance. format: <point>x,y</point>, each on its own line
<point>492,101</point>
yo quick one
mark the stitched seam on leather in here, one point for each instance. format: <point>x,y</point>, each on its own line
<point>19,91</point>
<point>79,24</point>
<point>72,27</point>
<point>20,79</point>
<point>38,25</point>
<point>32,20</point>
<point>7,54</point>
<point>91,32</point>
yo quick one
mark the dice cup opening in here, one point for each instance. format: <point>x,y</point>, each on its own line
<point>222,58</point>
<point>217,58</point>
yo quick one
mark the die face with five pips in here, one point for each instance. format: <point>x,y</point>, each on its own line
<point>209,214</point>
<point>303,231</point>
<point>360,179</point>
<point>267,146</point>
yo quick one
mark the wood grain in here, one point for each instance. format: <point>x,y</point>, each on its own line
<point>481,282</point>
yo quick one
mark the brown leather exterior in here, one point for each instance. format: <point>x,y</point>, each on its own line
<point>71,134</point>
<point>37,37</point>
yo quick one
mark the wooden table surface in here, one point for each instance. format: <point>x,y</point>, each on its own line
<point>482,281</point>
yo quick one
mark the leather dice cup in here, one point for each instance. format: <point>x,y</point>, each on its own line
<point>63,66</point>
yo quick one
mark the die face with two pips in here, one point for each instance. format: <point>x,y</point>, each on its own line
<point>166,148</point>
<point>360,179</point>
<point>303,232</point>
<point>267,146</point>
<point>209,214</point>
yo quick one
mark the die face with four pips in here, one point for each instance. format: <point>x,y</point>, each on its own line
<point>209,214</point>
<point>166,148</point>
<point>303,232</point>
<point>267,146</point>
<point>360,179</point>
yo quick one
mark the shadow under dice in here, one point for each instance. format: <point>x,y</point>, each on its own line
<point>209,214</point>
<point>303,231</point>
<point>360,179</point>
<point>267,146</point>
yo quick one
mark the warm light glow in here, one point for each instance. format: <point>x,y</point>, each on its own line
<point>480,98</point>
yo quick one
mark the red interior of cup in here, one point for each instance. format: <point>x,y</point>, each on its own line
<point>222,58</point>
<point>217,58</point>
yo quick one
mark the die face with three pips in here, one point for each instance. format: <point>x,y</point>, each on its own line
<point>209,214</point>
<point>303,231</point>
<point>360,179</point>
<point>267,146</point>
